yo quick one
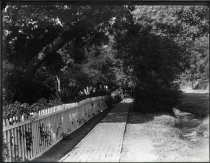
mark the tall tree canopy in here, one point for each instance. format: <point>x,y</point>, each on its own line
<point>149,48</point>
<point>48,38</point>
<point>188,26</point>
<point>157,47</point>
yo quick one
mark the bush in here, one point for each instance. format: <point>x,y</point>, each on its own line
<point>15,109</point>
<point>68,94</point>
<point>154,62</point>
<point>18,109</point>
<point>203,128</point>
<point>117,96</point>
<point>161,100</point>
<point>109,101</point>
<point>82,97</point>
<point>202,84</point>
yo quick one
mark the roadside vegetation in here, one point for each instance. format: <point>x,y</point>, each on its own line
<point>55,54</point>
<point>177,138</point>
<point>67,52</point>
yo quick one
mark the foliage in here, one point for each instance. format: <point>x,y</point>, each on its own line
<point>149,48</point>
<point>31,29</point>
<point>199,63</point>
<point>116,98</point>
<point>188,26</point>
<point>108,101</point>
<point>99,66</point>
<point>69,94</point>
<point>173,20</point>
<point>5,151</point>
<point>159,100</point>
<point>154,61</point>
<point>19,109</point>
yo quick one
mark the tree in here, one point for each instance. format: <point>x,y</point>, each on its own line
<point>188,26</point>
<point>154,61</point>
<point>34,35</point>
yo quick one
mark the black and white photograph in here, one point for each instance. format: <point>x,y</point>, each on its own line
<point>104,82</point>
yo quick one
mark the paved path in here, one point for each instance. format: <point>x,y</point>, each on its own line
<point>104,142</point>
<point>67,144</point>
<point>120,137</point>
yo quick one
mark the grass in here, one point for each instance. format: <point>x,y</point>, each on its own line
<point>196,103</point>
<point>203,128</point>
<point>169,143</point>
<point>177,139</point>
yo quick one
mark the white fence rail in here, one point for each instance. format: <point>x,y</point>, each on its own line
<point>31,138</point>
<point>33,115</point>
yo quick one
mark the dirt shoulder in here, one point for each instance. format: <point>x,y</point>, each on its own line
<point>161,137</point>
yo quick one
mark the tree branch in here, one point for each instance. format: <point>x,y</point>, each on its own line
<point>48,50</point>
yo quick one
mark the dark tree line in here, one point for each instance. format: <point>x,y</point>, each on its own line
<point>148,49</point>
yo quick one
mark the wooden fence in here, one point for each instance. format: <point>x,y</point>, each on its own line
<point>33,115</point>
<point>31,138</point>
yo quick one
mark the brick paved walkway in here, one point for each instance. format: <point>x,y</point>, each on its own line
<point>104,142</point>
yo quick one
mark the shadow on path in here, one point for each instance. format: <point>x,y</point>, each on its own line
<point>104,142</point>
<point>68,143</point>
<point>118,114</point>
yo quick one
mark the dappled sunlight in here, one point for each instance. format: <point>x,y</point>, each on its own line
<point>127,100</point>
<point>143,68</point>
<point>165,120</point>
<point>190,90</point>
<point>105,140</point>
<point>167,140</point>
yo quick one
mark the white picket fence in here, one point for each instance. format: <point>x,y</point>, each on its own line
<point>33,115</point>
<point>31,138</point>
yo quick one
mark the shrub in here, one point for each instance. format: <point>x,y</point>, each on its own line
<point>150,100</point>
<point>117,98</point>
<point>18,109</point>
<point>203,128</point>
<point>108,101</point>
<point>154,63</point>
<point>68,94</point>
<point>202,84</point>
<point>15,109</point>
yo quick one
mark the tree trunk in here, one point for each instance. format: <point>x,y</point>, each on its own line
<point>58,86</point>
<point>39,59</point>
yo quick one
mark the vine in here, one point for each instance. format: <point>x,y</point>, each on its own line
<point>29,139</point>
<point>45,135</point>
<point>6,156</point>
<point>59,127</point>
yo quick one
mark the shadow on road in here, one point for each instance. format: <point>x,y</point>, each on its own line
<point>68,143</point>
<point>137,118</point>
<point>118,114</point>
